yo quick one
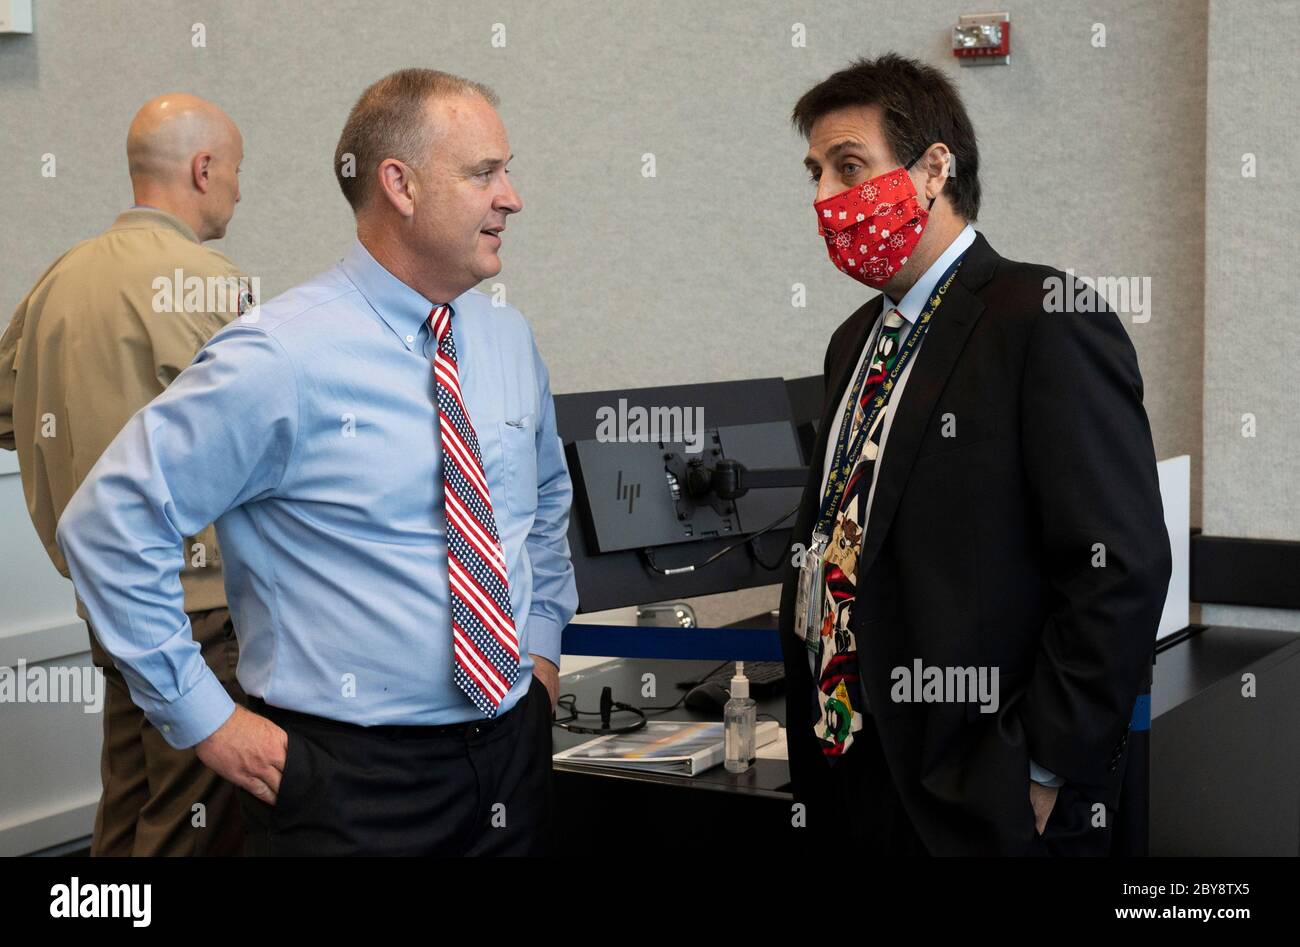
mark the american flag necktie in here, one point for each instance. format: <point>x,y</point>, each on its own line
<point>484,640</point>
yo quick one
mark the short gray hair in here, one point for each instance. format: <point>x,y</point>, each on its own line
<point>390,121</point>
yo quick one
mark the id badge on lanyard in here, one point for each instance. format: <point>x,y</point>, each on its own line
<point>808,597</point>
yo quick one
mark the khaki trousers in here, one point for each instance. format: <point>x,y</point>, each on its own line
<point>150,790</point>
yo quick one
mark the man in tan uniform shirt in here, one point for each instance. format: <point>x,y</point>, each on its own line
<point>102,333</point>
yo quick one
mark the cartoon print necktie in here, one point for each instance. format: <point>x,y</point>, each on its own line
<point>837,683</point>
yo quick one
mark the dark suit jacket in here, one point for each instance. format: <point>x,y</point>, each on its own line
<point>979,551</point>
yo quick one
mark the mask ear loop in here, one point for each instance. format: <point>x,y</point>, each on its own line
<point>908,167</point>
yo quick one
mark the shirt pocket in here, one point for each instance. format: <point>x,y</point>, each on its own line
<point>519,461</point>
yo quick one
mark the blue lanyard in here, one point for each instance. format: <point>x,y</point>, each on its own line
<point>843,460</point>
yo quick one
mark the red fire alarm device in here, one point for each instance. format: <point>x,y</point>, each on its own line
<point>982,39</point>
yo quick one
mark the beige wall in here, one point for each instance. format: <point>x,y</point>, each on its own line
<point>1252,483</point>
<point>1093,158</point>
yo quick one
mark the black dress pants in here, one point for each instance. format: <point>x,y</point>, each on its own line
<point>482,788</point>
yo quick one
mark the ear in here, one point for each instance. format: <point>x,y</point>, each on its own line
<point>397,185</point>
<point>201,171</point>
<point>937,165</point>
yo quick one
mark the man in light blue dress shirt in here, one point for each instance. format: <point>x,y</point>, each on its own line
<point>308,430</point>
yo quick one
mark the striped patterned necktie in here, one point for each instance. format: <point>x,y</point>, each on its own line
<point>484,640</point>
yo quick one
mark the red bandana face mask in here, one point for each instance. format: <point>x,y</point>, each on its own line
<point>871,229</point>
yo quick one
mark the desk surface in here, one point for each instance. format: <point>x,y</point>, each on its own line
<point>1182,673</point>
<point>599,812</point>
<point>1192,666</point>
<point>766,778</point>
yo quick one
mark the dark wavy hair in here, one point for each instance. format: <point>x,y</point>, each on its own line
<point>921,106</point>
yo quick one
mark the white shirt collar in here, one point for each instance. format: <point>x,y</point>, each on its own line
<point>914,301</point>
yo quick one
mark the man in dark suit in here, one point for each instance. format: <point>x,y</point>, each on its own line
<point>981,542</point>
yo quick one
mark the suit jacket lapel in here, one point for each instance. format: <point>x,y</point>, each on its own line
<point>939,351</point>
<point>859,327</point>
<point>844,372</point>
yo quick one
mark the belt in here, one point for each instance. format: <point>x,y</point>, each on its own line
<point>468,728</point>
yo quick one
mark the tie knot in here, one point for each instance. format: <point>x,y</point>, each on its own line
<point>440,321</point>
<point>893,319</point>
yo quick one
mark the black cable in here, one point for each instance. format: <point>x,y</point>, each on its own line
<point>753,548</point>
<point>648,554</point>
<point>570,702</point>
<point>682,699</point>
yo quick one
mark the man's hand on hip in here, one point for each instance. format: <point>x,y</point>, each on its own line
<point>249,751</point>
<point>548,674</point>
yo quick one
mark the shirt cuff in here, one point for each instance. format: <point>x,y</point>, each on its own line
<point>544,637</point>
<point>1044,777</point>
<point>197,715</point>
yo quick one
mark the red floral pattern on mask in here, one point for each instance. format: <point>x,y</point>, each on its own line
<point>872,229</point>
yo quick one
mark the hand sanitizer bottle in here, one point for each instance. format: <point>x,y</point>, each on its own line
<point>739,718</point>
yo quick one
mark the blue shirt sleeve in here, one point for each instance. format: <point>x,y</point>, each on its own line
<point>555,591</point>
<point>221,435</point>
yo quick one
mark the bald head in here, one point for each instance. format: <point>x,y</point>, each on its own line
<point>184,154</point>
